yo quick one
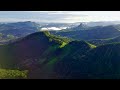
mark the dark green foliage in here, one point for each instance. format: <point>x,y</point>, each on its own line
<point>70,58</point>
<point>100,62</point>
<point>103,61</point>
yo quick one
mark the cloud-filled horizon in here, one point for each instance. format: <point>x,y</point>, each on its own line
<point>59,16</point>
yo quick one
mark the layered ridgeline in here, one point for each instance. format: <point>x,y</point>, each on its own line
<point>39,53</point>
<point>43,55</point>
<point>83,32</point>
<point>105,41</point>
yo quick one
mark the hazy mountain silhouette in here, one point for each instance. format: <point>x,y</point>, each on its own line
<point>89,33</point>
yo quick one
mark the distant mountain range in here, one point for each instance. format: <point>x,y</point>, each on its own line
<point>19,28</point>
<point>10,31</point>
<point>83,32</point>
<point>99,23</point>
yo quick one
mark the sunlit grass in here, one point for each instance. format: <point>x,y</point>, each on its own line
<point>13,74</point>
<point>63,44</point>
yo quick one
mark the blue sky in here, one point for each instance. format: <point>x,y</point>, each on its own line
<point>59,16</point>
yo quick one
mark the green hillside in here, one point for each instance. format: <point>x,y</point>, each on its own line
<point>31,52</point>
<point>46,56</point>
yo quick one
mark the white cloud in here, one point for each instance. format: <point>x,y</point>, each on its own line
<point>53,28</point>
<point>59,16</point>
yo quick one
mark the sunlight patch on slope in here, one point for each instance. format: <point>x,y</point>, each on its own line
<point>91,45</point>
<point>13,74</point>
<point>63,44</point>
